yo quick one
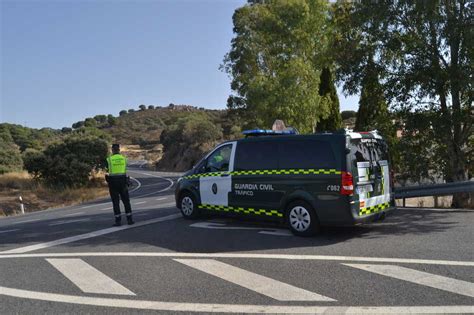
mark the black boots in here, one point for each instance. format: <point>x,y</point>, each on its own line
<point>130,220</point>
<point>118,221</point>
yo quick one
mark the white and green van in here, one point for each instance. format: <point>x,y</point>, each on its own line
<point>305,181</point>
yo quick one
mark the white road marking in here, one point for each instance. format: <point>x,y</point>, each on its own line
<point>420,277</point>
<point>221,226</point>
<point>162,190</point>
<point>69,221</point>
<point>87,278</point>
<point>272,288</point>
<point>95,205</point>
<point>27,221</point>
<point>6,231</point>
<point>73,214</point>
<point>162,198</point>
<point>138,184</point>
<point>233,308</point>
<point>139,203</point>
<point>108,208</point>
<point>76,238</point>
<point>6,254</point>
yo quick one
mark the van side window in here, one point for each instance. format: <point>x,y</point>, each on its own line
<point>219,160</point>
<point>256,156</point>
<point>307,154</point>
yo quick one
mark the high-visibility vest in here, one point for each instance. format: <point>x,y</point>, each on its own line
<point>117,164</point>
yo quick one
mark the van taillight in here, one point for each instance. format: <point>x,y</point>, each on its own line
<point>347,184</point>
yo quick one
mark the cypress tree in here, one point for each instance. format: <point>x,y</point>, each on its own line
<point>327,89</point>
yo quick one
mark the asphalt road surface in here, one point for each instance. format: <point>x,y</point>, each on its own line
<point>71,260</point>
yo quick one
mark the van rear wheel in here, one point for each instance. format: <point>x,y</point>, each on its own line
<point>302,219</point>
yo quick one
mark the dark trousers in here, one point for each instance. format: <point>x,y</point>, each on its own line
<point>118,188</point>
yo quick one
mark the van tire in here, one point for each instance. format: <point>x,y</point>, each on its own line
<point>188,206</point>
<point>302,219</point>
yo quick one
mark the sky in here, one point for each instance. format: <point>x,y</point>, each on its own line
<point>65,60</point>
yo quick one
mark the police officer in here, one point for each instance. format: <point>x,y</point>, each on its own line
<point>118,184</point>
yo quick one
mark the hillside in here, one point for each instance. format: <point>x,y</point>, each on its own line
<point>171,138</point>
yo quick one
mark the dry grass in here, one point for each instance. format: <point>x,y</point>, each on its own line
<point>39,197</point>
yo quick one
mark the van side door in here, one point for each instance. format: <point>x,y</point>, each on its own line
<point>215,183</point>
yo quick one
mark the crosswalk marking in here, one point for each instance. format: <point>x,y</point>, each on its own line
<point>87,278</point>
<point>420,277</point>
<point>252,281</point>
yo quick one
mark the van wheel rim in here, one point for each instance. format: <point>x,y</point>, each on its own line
<point>187,206</point>
<point>300,219</point>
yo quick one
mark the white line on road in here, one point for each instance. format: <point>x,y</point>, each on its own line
<point>138,184</point>
<point>76,238</point>
<point>245,256</point>
<point>162,198</point>
<point>420,277</point>
<point>6,231</point>
<point>272,288</point>
<point>73,214</point>
<point>139,203</point>
<point>233,308</point>
<point>69,221</point>
<point>87,278</point>
<point>161,177</point>
<point>26,221</point>
<point>94,205</point>
<point>108,208</point>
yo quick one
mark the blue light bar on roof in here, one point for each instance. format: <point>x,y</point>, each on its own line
<point>263,132</point>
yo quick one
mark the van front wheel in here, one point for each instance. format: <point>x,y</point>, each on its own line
<point>302,219</point>
<point>189,208</point>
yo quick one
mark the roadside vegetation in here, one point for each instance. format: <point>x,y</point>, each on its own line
<point>38,196</point>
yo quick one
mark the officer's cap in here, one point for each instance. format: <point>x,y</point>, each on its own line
<point>115,146</point>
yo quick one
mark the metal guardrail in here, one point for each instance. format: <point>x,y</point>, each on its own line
<point>433,190</point>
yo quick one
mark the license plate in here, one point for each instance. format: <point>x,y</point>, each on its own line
<point>364,189</point>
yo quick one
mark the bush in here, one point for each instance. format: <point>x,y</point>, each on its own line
<point>70,163</point>
<point>123,113</point>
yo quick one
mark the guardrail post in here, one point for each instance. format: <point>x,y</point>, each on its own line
<point>404,203</point>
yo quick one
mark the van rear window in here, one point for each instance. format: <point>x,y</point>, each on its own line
<point>365,150</point>
<point>307,154</point>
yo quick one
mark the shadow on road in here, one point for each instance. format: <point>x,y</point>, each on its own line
<point>178,234</point>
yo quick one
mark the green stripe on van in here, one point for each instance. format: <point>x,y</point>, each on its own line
<point>254,211</point>
<point>271,172</point>
<point>374,209</point>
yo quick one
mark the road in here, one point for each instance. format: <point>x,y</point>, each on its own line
<point>71,260</point>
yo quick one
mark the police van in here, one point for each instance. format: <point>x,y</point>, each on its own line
<point>306,181</point>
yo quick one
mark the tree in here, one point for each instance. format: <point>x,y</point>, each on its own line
<point>100,118</point>
<point>69,163</point>
<point>111,120</point>
<point>275,62</point>
<point>90,122</point>
<point>327,90</point>
<point>78,125</point>
<point>151,107</point>
<point>66,130</point>
<point>423,52</point>
<point>373,110</point>
<point>142,107</point>
<point>122,113</point>
<point>347,114</point>
<point>10,157</point>
<point>131,110</point>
